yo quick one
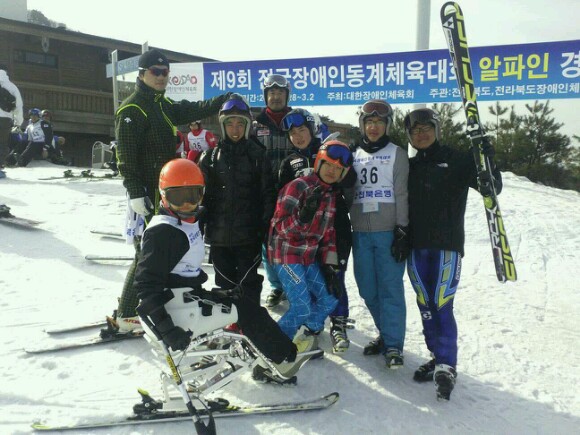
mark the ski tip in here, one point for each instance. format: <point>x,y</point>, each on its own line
<point>332,398</point>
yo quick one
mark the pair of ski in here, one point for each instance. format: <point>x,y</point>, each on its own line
<point>8,218</point>
<point>220,409</point>
<point>82,343</point>
<point>453,24</point>
<point>89,174</point>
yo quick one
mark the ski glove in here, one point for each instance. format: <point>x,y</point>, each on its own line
<point>142,206</point>
<point>334,284</point>
<point>311,204</point>
<point>400,248</point>
<point>176,338</point>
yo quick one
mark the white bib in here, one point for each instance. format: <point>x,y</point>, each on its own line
<point>190,264</point>
<point>374,182</point>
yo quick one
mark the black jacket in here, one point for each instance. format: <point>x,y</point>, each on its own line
<point>146,133</point>
<point>439,179</point>
<point>239,195</point>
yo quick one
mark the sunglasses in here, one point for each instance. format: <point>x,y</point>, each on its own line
<point>178,196</point>
<point>295,120</point>
<point>157,71</point>
<point>339,153</point>
<point>235,104</point>
<point>377,108</point>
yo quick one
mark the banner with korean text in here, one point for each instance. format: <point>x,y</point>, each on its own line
<point>548,70</point>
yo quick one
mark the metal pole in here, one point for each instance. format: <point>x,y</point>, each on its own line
<point>114,59</point>
<point>422,42</point>
<point>145,47</point>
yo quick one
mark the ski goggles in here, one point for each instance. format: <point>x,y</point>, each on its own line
<point>338,153</point>
<point>157,71</point>
<point>275,80</point>
<point>421,117</point>
<point>295,120</point>
<point>376,108</point>
<point>179,196</point>
<point>235,104</point>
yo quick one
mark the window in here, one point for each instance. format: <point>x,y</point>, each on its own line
<point>41,59</point>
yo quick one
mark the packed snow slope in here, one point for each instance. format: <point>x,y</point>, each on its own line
<point>519,358</point>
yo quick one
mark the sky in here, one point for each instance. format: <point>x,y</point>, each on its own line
<point>229,30</point>
<point>518,363</point>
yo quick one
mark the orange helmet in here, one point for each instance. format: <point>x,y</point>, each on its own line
<point>335,152</point>
<point>181,181</point>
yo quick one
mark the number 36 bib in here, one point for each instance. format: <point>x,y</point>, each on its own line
<point>374,182</point>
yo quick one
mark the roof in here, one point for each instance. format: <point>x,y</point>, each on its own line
<point>63,34</point>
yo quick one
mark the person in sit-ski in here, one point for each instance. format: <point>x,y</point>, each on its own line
<point>302,241</point>
<point>172,251</point>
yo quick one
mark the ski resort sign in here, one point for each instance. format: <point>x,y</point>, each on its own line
<point>548,70</point>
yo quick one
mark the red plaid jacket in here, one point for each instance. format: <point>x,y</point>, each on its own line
<point>293,242</point>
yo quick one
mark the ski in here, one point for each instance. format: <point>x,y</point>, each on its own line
<point>76,328</point>
<point>161,416</point>
<point>94,257</point>
<point>8,218</point>
<point>109,234</point>
<point>88,342</point>
<point>69,174</point>
<point>453,24</point>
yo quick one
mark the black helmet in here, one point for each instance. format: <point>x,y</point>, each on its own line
<point>235,106</point>
<point>276,81</point>
<point>422,116</point>
<point>379,108</point>
<point>298,117</point>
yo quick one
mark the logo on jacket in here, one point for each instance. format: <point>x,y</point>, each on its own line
<point>127,120</point>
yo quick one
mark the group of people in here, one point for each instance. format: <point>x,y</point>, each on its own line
<point>275,190</point>
<point>20,143</point>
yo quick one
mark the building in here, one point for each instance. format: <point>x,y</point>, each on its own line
<point>65,72</point>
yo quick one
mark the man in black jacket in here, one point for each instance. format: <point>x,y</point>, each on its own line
<point>146,132</point>
<point>240,199</point>
<point>269,131</point>
<point>439,180</point>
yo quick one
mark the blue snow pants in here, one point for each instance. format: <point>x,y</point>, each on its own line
<point>435,276</point>
<point>309,301</point>
<point>380,283</point>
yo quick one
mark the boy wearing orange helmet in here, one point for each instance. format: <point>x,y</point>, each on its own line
<point>172,251</point>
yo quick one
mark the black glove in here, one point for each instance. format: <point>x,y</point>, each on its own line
<point>334,284</point>
<point>152,311</point>
<point>176,338</point>
<point>400,248</point>
<point>311,204</point>
<point>487,149</point>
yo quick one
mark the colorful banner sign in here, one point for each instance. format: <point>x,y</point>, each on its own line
<point>548,70</point>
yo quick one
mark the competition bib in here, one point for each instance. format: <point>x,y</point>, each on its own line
<point>374,182</point>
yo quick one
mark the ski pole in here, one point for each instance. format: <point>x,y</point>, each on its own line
<point>200,427</point>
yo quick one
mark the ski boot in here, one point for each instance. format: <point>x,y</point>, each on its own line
<point>121,325</point>
<point>394,358</point>
<point>425,372</point>
<point>444,377</point>
<point>374,347</point>
<point>338,337</point>
<point>275,297</point>
<point>264,376</point>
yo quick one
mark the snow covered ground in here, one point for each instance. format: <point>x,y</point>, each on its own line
<point>519,358</point>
